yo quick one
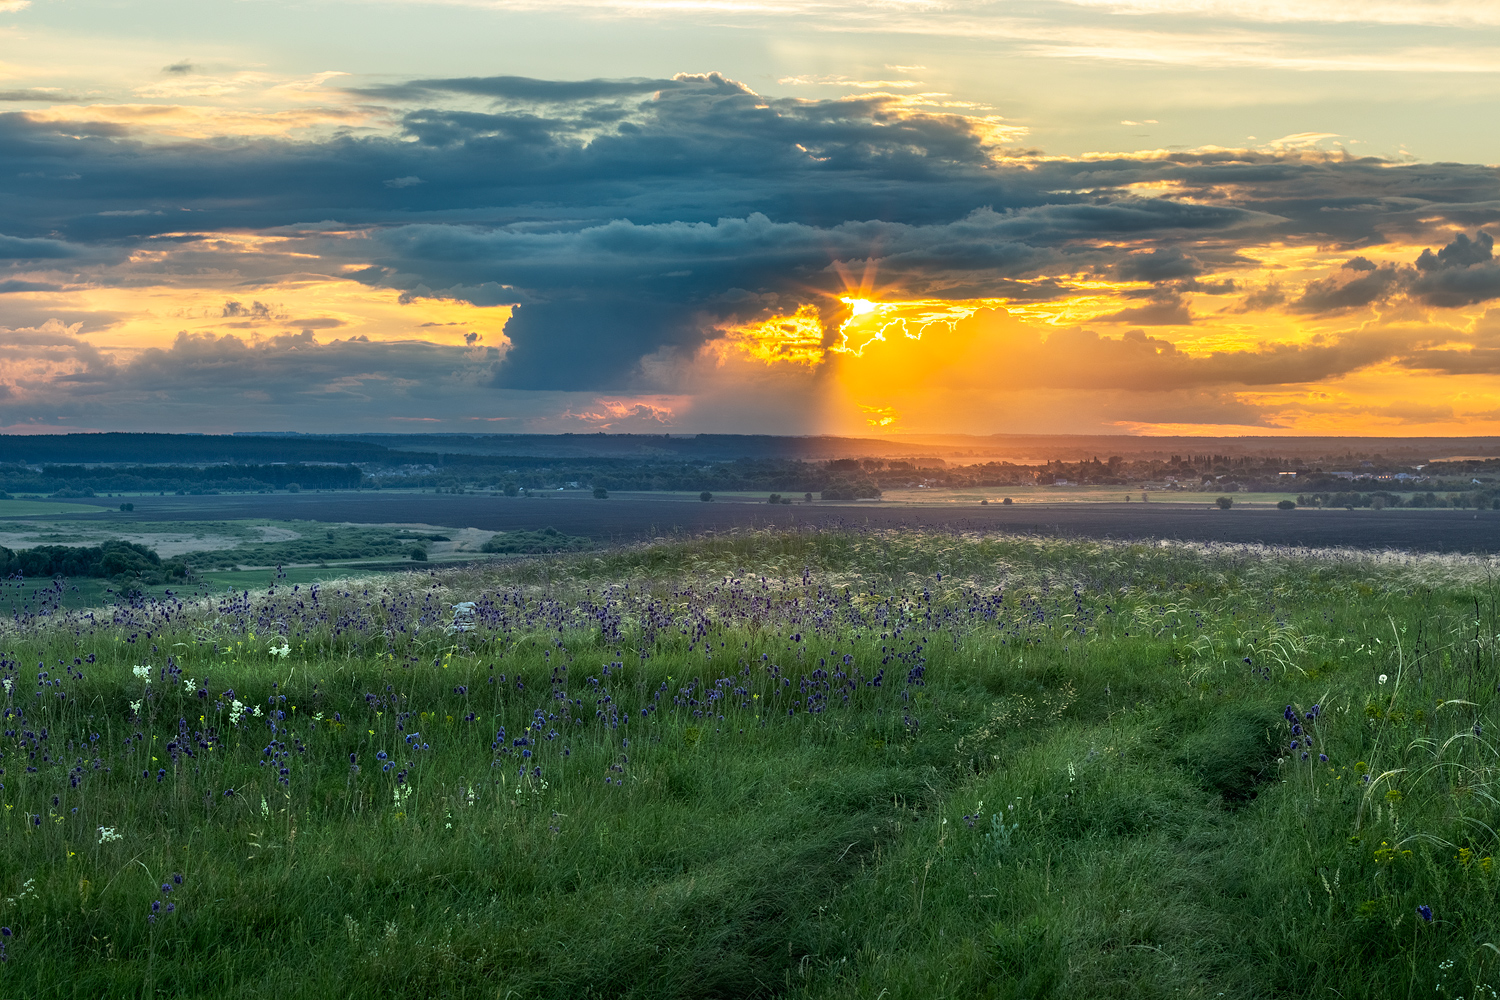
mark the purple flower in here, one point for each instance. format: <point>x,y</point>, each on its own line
<point>1323,757</point>
<point>1425,912</point>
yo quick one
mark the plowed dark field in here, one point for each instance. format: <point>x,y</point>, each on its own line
<point>632,517</point>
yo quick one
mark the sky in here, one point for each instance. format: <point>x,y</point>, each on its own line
<point>866,217</point>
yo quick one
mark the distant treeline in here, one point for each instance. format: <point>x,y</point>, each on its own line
<point>72,480</point>
<point>113,559</point>
<point>1467,499</point>
<point>78,464</point>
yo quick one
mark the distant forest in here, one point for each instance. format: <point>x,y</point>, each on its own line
<point>84,465</point>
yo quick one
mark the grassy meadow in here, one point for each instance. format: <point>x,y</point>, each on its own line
<point>799,764</point>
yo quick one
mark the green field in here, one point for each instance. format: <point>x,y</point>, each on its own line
<point>34,508</point>
<point>769,764</point>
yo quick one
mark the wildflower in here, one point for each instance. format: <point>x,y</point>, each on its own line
<point>1382,678</point>
<point>144,673</point>
<point>1323,757</point>
<point>1425,912</point>
<point>190,686</point>
<point>108,833</point>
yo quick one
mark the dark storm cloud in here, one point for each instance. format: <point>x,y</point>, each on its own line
<point>1161,264</point>
<point>626,218</point>
<point>33,249</point>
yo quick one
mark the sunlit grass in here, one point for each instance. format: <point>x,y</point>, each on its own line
<point>810,764</point>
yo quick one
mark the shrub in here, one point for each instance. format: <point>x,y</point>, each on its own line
<point>1007,501</point>
<point>293,488</point>
<point>774,498</point>
<point>1225,502</point>
<point>418,553</point>
<point>851,489</point>
<point>706,496</point>
<point>510,489</point>
<point>600,493</point>
<point>531,542</point>
<point>1286,505</point>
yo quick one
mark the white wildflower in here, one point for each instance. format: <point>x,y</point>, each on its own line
<point>281,650</point>
<point>108,833</point>
<point>236,712</point>
<point>1382,678</point>
<point>318,717</point>
<point>135,706</point>
<point>257,712</point>
<point>29,889</point>
<point>190,686</point>
<point>144,673</point>
<point>8,683</point>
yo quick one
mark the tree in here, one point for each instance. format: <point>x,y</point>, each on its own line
<point>418,553</point>
<point>774,498</point>
<point>600,493</point>
<point>706,496</point>
<point>807,498</point>
<point>1225,502</point>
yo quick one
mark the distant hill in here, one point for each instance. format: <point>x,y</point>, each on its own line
<point>519,450</point>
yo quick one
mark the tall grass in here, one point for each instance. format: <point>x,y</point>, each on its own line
<point>803,764</point>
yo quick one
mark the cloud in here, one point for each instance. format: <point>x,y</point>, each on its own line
<point>12,248</point>
<point>631,222</point>
<point>1462,273</point>
<point>1360,283</point>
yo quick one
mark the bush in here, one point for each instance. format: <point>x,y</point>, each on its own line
<point>774,498</point>
<point>127,506</point>
<point>293,488</point>
<point>532,542</point>
<point>418,553</point>
<point>851,489</point>
<point>706,496</point>
<point>510,489</point>
<point>1225,502</point>
<point>116,559</point>
<point>1007,501</point>
<point>1286,505</point>
<point>600,493</point>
